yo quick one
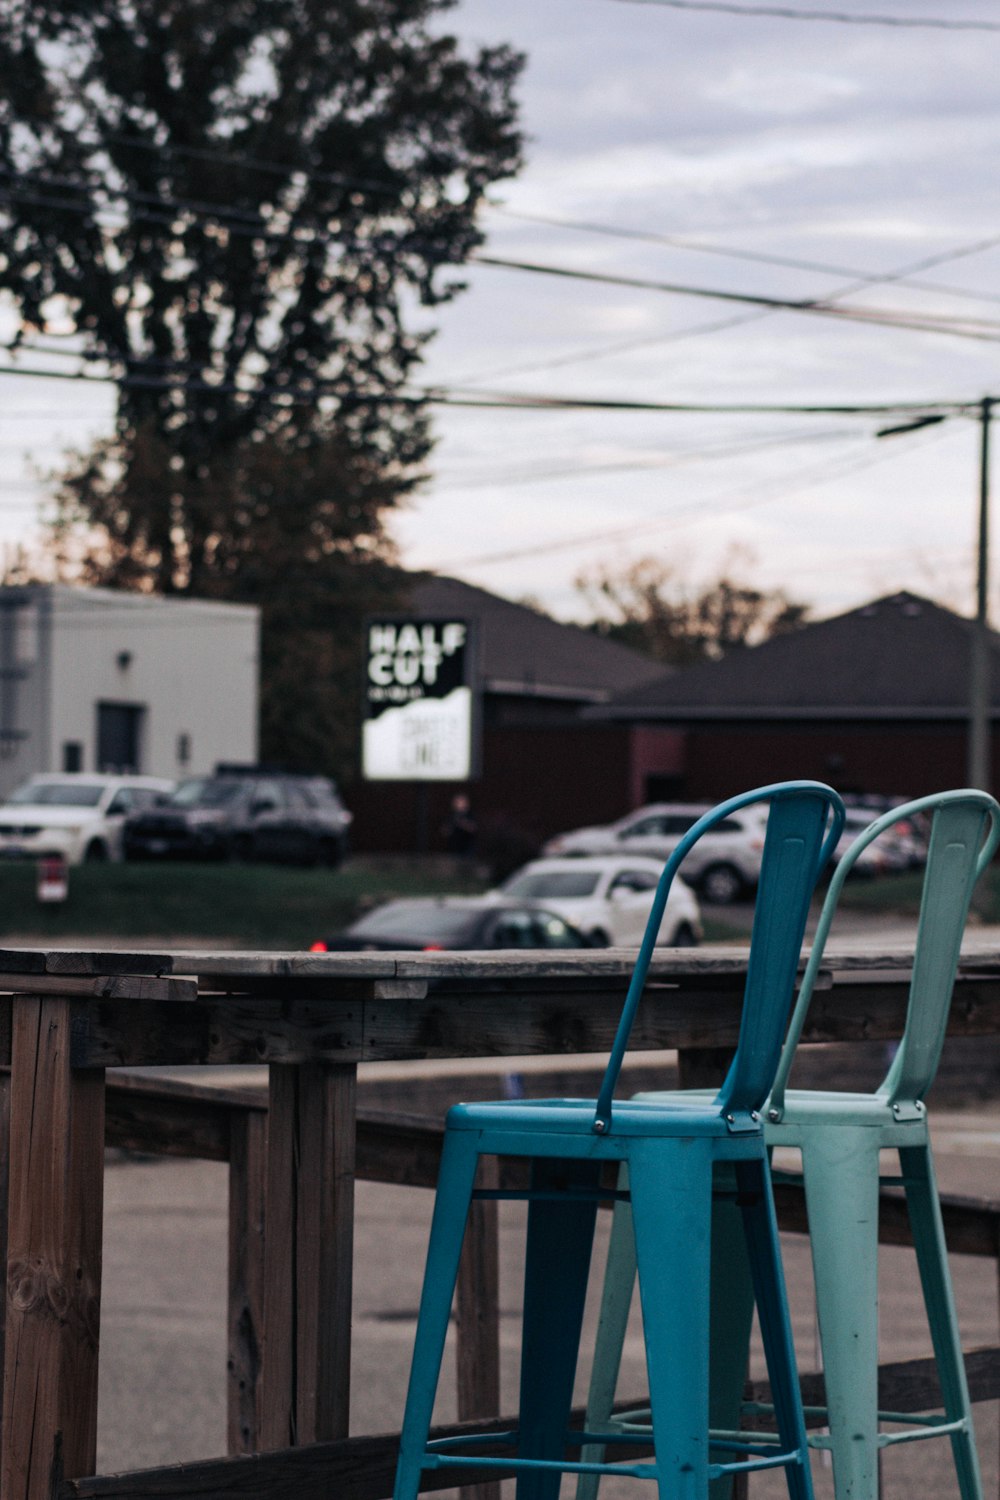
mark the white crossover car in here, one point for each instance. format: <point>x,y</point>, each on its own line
<point>609,898</point>
<point>77,815</point>
<point>722,866</point>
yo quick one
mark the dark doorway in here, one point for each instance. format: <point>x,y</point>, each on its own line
<point>119,736</point>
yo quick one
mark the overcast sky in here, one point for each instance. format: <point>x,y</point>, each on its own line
<point>863,149</point>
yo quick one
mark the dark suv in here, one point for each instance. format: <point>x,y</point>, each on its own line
<point>244,813</point>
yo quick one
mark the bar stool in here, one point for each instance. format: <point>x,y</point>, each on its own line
<point>840,1136</point>
<point>671,1148</point>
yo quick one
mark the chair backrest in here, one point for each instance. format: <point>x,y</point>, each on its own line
<point>965,831</point>
<point>803,827</point>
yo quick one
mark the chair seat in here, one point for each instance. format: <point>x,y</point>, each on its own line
<point>804,1109</point>
<point>669,1115</point>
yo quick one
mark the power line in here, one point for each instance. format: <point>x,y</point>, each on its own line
<point>814,475</point>
<point>974,328</point>
<point>840,17</point>
<point>860,281</point>
<point>495,480</point>
<point>506,400</point>
<point>969,328</point>
<point>903,275</point>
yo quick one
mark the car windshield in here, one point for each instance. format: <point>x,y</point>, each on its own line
<point>422,924</point>
<point>58,794</point>
<point>204,792</point>
<point>550,884</point>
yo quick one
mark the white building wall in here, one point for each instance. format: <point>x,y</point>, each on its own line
<point>189,666</point>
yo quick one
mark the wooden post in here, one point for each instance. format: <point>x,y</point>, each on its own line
<point>308,1252</point>
<point>477,1309</point>
<point>247,1161</point>
<point>54,1255</point>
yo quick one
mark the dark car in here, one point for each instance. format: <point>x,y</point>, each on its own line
<point>457,922</point>
<point>244,814</point>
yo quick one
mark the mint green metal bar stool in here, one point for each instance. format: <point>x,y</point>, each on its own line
<point>840,1136</point>
<point>671,1147</point>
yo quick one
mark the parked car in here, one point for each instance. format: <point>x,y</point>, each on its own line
<point>242,813</point>
<point>902,846</point>
<point>608,897</point>
<point>722,866</point>
<point>75,814</point>
<point>458,922</point>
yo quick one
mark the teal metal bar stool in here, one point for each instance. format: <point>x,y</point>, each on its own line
<point>671,1148</point>
<point>840,1136</point>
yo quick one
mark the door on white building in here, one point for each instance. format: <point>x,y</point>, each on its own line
<point>119,736</point>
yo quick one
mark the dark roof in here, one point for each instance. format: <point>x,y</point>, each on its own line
<point>898,657</point>
<point>523,652</point>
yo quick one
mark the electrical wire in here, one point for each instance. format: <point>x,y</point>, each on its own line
<point>813,475</point>
<point>840,17</point>
<point>485,400</point>
<point>967,328</point>
<point>901,276</point>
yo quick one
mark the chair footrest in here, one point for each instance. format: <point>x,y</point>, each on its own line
<point>757,1455</point>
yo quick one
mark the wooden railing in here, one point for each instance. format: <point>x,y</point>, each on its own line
<point>70,1020</point>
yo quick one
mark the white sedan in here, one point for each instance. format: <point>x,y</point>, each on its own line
<point>608,897</point>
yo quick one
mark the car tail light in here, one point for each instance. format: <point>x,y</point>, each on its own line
<point>319,947</point>
<point>433,948</point>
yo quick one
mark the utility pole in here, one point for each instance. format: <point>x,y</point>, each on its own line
<point>980,675</point>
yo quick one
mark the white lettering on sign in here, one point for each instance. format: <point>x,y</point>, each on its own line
<point>410,654</point>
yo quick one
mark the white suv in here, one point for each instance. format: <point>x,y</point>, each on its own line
<point>73,814</point>
<point>722,866</point>
<point>609,898</point>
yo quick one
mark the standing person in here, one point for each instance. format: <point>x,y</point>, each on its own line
<point>461,828</point>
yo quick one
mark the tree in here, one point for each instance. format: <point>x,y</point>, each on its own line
<point>650,607</point>
<point>239,210</point>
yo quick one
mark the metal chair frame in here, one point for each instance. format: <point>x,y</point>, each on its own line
<point>840,1136</point>
<point>670,1147</point>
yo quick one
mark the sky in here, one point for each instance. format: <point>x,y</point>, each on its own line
<point>701,147</point>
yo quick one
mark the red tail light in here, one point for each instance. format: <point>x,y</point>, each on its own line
<point>318,947</point>
<point>433,948</point>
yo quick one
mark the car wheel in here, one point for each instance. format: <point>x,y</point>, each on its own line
<point>599,938</point>
<point>685,937</point>
<point>96,852</point>
<point>721,884</point>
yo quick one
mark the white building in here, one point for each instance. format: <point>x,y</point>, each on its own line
<point>96,680</point>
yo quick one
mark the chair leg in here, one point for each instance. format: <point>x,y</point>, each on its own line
<point>557,1267</point>
<point>456,1177</point>
<point>731,1315</point>
<point>672,1210</point>
<point>616,1301</point>
<point>760,1226</point>
<point>730,1322</point>
<point>932,1259</point>
<point>840,1168</point>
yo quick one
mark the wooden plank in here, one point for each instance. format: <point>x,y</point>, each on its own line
<point>305,1381</point>
<point>105,986</point>
<point>247,1188</point>
<point>362,1468</point>
<point>54,1255</point>
<point>276,1420</point>
<point>325,1250</point>
<point>219,1030</point>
